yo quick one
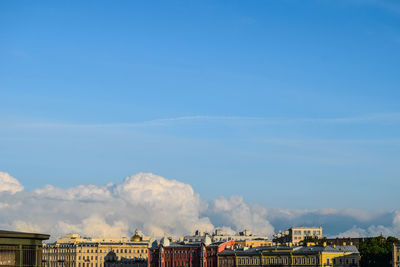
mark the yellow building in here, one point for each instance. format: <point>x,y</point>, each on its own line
<point>76,251</point>
<point>312,256</point>
<point>396,255</point>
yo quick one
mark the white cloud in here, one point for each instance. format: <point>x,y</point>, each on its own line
<point>81,192</point>
<point>9,184</point>
<point>23,226</point>
<point>146,201</point>
<point>161,206</point>
<point>375,230</point>
<point>95,226</point>
<point>234,212</point>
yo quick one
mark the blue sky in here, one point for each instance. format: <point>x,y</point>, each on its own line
<point>282,102</point>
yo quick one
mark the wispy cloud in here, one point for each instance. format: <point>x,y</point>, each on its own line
<point>365,119</point>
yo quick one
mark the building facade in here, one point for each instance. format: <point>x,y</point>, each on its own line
<point>76,251</point>
<point>21,249</point>
<point>220,236</point>
<point>312,256</point>
<point>184,254</point>
<point>295,235</point>
<point>396,255</point>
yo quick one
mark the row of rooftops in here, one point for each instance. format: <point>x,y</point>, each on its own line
<point>293,250</point>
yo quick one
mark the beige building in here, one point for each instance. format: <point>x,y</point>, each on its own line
<point>76,251</point>
<point>396,255</point>
<point>220,236</point>
<point>297,234</point>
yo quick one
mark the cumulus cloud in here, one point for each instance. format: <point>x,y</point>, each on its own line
<point>375,230</point>
<point>26,227</point>
<point>146,201</point>
<point>9,184</point>
<point>160,206</point>
<point>95,226</point>
<point>81,192</point>
<point>236,213</point>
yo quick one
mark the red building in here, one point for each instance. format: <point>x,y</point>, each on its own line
<point>168,254</point>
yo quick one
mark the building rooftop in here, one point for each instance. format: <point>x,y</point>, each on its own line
<point>23,235</point>
<point>294,249</point>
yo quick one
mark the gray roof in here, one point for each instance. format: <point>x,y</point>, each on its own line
<point>333,249</point>
<point>295,250</point>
